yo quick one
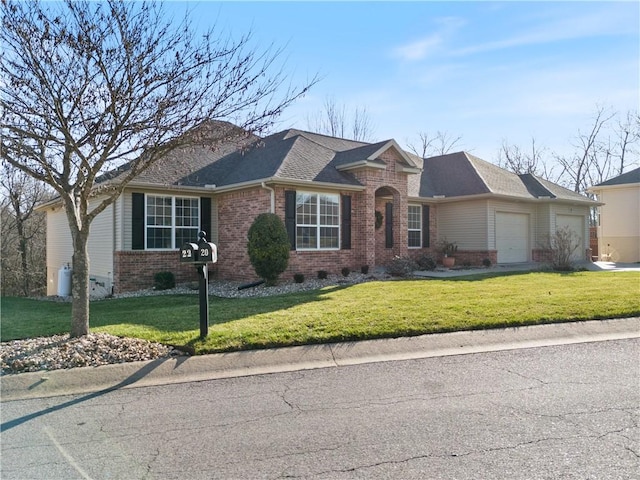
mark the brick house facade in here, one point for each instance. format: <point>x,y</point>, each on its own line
<point>420,202</point>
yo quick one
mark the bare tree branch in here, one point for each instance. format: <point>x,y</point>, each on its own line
<point>88,86</point>
<point>439,144</point>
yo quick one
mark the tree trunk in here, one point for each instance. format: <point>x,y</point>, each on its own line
<point>80,286</point>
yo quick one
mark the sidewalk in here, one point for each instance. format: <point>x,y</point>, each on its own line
<point>107,378</point>
<point>524,267</point>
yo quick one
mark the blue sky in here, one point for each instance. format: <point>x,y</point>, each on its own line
<point>485,71</point>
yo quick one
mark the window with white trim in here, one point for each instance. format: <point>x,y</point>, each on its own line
<point>317,221</point>
<point>414,217</point>
<point>171,221</point>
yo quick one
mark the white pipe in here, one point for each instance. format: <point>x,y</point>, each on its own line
<point>273,197</point>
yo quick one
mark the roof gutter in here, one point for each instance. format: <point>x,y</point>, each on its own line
<point>444,199</point>
<point>273,196</point>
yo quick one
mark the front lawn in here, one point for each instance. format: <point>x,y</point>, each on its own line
<point>367,310</point>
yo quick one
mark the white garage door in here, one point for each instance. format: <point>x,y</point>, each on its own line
<point>512,237</point>
<point>576,224</point>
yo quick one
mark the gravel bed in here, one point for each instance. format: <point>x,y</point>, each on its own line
<point>63,352</point>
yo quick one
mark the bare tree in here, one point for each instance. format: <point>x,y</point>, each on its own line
<point>333,120</point>
<point>433,145</point>
<point>511,157</point>
<point>23,233</point>
<point>89,85</point>
<point>577,168</point>
<point>605,151</point>
<point>627,137</point>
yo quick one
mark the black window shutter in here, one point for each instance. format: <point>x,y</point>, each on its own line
<point>346,222</point>
<point>137,221</point>
<point>290,216</point>
<point>205,216</point>
<point>425,227</point>
<point>388,225</point>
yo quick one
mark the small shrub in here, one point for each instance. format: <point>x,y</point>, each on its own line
<point>298,277</point>
<point>364,269</point>
<point>426,262</point>
<point>322,274</point>
<point>466,263</point>
<point>345,271</point>
<point>401,266</point>
<point>164,281</point>
<point>562,245</point>
<point>486,262</point>
<point>268,247</point>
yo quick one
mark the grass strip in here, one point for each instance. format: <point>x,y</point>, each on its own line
<point>363,311</point>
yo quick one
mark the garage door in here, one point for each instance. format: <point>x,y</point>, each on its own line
<point>512,237</point>
<point>576,224</point>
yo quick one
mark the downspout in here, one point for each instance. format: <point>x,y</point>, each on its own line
<point>273,197</point>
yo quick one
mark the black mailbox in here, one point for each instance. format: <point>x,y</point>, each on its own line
<point>189,252</point>
<point>207,252</point>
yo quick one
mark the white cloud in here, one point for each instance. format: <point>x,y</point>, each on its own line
<point>554,26</point>
<point>419,49</point>
<point>424,47</point>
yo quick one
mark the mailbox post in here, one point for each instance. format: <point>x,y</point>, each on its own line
<point>200,254</point>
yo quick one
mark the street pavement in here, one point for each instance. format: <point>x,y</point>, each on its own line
<point>543,412</point>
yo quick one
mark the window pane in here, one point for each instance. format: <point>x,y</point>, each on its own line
<point>306,209</point>
<point>329,237</point>
<point>329,210</point>
<point>415,217</point>
<point>414,238</point>
<point>184,235</point>
<point>306,237</point>
<point>158,238</point>
<point>158,211</point>
<point>187,214</point>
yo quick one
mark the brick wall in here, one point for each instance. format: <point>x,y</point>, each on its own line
<point>134,270</point>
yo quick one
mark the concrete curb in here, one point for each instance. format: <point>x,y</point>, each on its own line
<point>237,364</point>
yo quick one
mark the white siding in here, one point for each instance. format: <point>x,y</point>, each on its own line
<point>59,247</point>
<point>464,223</point>
<point>125,224</point>
<point>101,247</point>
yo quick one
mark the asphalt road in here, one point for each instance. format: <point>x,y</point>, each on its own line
<point>557,412</point>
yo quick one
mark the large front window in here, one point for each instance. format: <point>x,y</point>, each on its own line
<point>415,226</point>
<point>317,221</point>
<point>171,221</point>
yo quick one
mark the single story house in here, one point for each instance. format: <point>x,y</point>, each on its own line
<point>344,203</point>
<point>619,217</point>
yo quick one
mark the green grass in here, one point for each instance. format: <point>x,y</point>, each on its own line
<point>367,310</point>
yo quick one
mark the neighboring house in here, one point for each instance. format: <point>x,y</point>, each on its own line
<point>619,217</point>
<point>344,204</point>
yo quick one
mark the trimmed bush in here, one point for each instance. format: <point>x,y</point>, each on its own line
<point>486,262</point>
<point>298,277</point>
<point>346,271</point>
<point>268,247</point>
<point>164,281</point>
<point>364,269</point>
<point>401,266</point>
<point>322,274</point>
<point>426,262</point>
